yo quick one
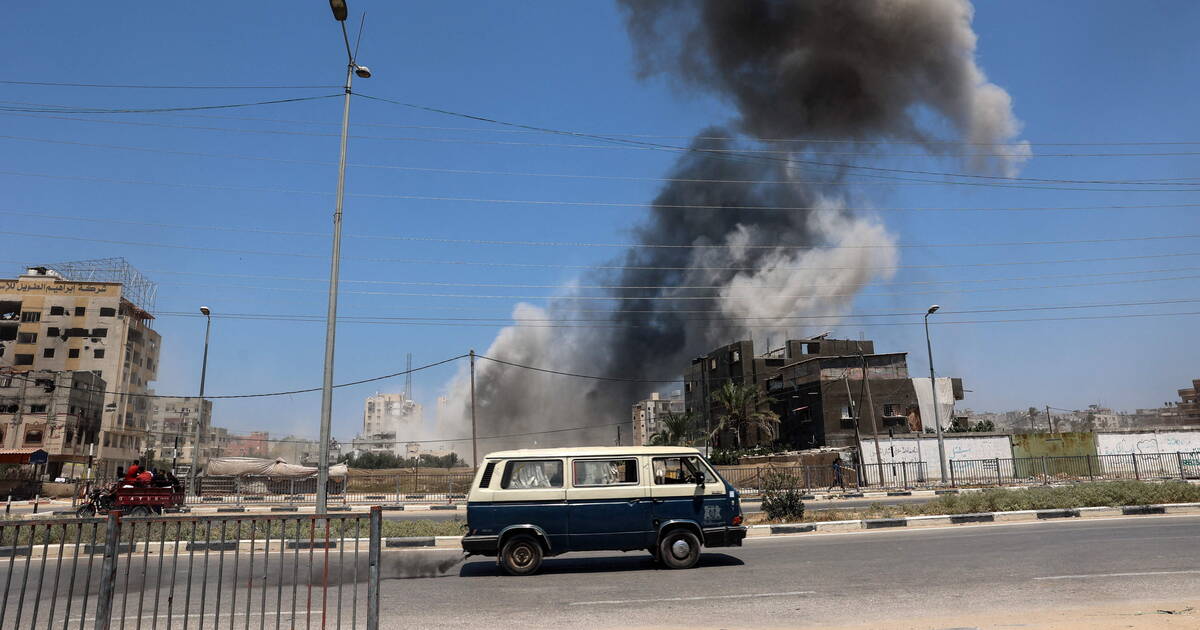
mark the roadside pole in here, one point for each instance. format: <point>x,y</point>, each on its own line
<point>474,432</point>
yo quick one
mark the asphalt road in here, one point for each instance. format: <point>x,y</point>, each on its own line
<point>877,579</point>
<point>880,579</point>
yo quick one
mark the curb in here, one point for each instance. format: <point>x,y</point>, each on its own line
<point>757,531</point>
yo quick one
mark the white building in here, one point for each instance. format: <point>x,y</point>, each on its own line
<point>647,413</point>
<point>389,421</point>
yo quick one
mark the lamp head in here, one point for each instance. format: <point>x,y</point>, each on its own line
<point>363,72</point>
<point>933,309</point>
<point>339,9</point>
<point>204,311</point>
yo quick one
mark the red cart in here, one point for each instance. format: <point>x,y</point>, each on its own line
<point>132,501</point>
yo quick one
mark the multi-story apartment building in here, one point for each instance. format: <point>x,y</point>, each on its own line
<point>646,414</point>
<point>389,420</point>
<point>57,412</point>
<point>88,316</point>
<point>171,432</point>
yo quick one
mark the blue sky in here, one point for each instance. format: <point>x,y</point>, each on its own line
<point>1078,72</point>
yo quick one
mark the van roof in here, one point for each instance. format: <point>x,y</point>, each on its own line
<point>588,451</point>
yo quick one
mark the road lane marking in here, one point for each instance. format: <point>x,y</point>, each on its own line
<point>689,599</point>
<point>1104,575</point>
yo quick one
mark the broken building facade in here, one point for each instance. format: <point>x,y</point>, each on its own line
<point>57,412</point>
<point>816,387</point>
<point>91,316</point>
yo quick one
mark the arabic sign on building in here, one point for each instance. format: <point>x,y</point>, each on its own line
<point>59,288</point>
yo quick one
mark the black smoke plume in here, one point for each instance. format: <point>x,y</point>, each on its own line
<point>801,76</point>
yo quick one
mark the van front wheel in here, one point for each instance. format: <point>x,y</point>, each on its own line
<point>522,555</point>
<point>679,549</point>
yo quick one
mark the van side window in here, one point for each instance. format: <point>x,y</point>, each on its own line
<point>540,473</point>
<point>679,470</point>
<point>605,472</point>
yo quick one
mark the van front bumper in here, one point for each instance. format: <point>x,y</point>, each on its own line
<point>724,536</point>
<point>480,545</point>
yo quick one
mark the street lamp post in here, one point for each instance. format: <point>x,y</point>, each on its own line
<point>933,387</point>
<point>204,310</point>
<point>339,13</point>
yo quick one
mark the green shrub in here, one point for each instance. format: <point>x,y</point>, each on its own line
<point>781,496</point>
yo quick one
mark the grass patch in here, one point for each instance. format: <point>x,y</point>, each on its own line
<point>1098,494</point>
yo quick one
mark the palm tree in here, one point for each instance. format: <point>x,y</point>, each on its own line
<point>672,429</point>
<point>744,407</point>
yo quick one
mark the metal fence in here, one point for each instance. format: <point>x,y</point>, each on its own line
<point>977,472</point>
<point>1138,466</point>
<point>264,571</point>
<point>375,489</point>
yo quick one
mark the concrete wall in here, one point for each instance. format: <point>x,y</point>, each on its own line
<point>1162,441</point>
<point>959,446</point>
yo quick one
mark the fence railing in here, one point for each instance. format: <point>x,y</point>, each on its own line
<point>1138,466</point>
<point>442,486</point>
<point>375,489</point>
<point>237,572</point>
<point>977,472</point>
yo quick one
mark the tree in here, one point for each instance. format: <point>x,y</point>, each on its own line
<point>743,407</point>
<point>673,429</point>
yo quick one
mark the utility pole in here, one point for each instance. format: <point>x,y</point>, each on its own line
<point>933,386</point>
<point>352,68</point>
<point>854,417</point>
<point>871,411</point>
<point>474,433</point>
<point>175,456</point>
<point>1049,420</point>
<point>204,310</point>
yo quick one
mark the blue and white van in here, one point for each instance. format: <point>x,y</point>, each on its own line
<point>528,504</point>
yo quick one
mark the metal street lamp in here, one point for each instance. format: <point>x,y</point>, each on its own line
<point>933,387</point>
<point>204,310</point>
<point>352,69</point>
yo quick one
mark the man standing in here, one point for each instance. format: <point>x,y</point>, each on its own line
<point>837,475</point>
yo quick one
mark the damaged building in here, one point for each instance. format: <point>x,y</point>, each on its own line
<point>816,388</point>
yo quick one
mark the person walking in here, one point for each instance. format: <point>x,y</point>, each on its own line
<point>837,475</point>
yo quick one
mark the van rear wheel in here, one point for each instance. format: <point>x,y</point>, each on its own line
<point>679,549</point>
<point>522,555</point>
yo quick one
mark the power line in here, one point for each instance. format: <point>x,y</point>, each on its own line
<point>102,110</point>
<point>313,162</point>
<point>675,298</point>
<point>841,181</point>
<point>264,395</point>
<point>830,324</point>
<point>575,286</point>
<point>523,243</point>
<point>979,179</point>
<point>611,267</point>
<point>848,141</point>
<point>127,86</point>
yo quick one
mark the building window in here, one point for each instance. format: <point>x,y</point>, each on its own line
<point>79,311</point>
<point>889,411</point>
<point>107,440</point>
<point>98,353</point>
<point>26,337</point>
<point>73,353</point>
<point>712,364</point>
<point>31,316</point>
<point>58,310</point>
<point>52,331</point>
<point>48,353</point>
<point>23,359</point>
<point>5,381</point>
<point>735,356</point>
<point>99,332</point>
<point>33,436</point>
<point>37,408</point>
<point>107,311</point>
